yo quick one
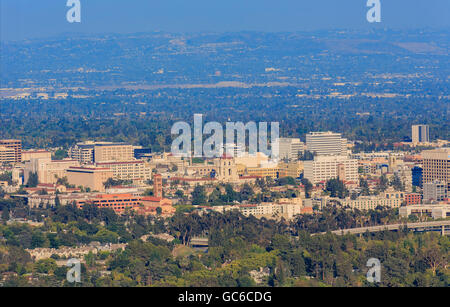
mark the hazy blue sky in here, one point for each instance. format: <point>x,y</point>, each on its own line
<point>39,18</point>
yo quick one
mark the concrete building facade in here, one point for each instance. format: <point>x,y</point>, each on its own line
<point>89,177</point>
<point>290,148</point>
<point>326,143</point>
<point>420,134</point>
<point>323,168</point>
<point>436,166</point>
<point>16,145</point>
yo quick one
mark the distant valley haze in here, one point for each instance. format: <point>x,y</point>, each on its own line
<point>26,19</point>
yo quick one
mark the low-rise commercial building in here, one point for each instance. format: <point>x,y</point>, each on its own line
<point>118,202</point>
<point>27,155</point>
<point>370,202</point>
<point>413,199</point>
<point>440,211</point>
<point>89,177</point>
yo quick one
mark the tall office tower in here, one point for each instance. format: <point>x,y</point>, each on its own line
<point>106,151</point>
<point>434,191</point>
<point>157,186</point>
<point>326,143</point>
<point>290,148</point>
<point>323,168</point>
<point>89,152</point>
<point>16,145</point>
<point>420,134</point>
<point>436,166</point>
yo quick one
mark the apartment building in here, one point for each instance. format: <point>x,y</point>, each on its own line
<point>323,168</point>
<point>16,145</point>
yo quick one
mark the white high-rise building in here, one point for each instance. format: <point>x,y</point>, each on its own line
<point>420,134</point>
<point>323,168</point>
<point>326,143</point>
<point>290,148</point>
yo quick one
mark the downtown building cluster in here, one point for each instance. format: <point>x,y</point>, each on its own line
<point>119,176</point>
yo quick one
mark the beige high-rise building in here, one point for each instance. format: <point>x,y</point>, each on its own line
<point>420,134</point>
<point>105,152</point>
<point>16,145</point>
<point>323,168</point>
<point>7,155</point>
<point>90,152</point>
<point>326,143</point>
<point>436,166</point>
